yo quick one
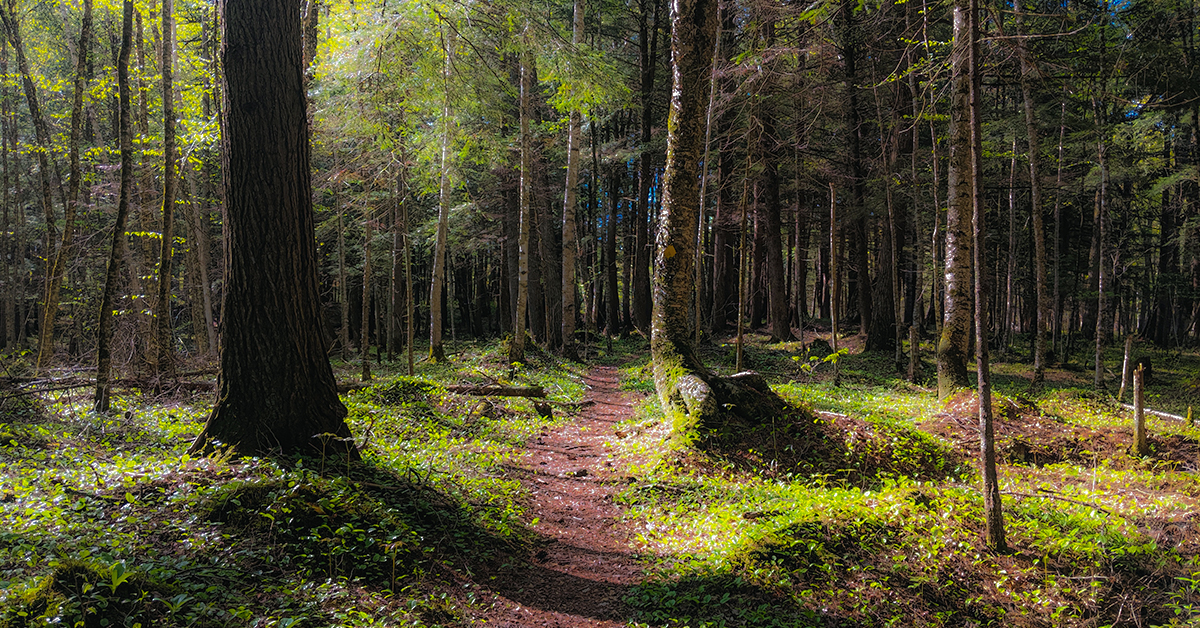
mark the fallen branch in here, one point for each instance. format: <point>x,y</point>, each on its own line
<point>1061,499</point>
<point>497,391</point>
<point>1156,413</point>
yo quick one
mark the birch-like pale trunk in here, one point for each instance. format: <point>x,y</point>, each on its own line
<point>436,352</point>
<point>570,242</point>
<point>516,349</point>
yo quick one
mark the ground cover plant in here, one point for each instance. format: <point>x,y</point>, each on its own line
<point>861,508</point>
<point>107,522</point>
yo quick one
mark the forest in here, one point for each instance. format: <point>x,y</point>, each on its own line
<point>611,313</point>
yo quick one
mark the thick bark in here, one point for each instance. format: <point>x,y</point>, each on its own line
<point>162,339</point>
<point>65,248</point>
<point>952,352</point>
<point>570,242</point>
<point>276,390</point>
<point>101,399</point>
<point>684,385</point>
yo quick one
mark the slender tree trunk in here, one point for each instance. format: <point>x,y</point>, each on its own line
<point>45,167</point>
<point>1045,309</point>
<point>162,339</point>
<point>516,350</point>
<point>993,513</point>
<point>835,290</point>
<point>436,352</point>
<point>1010,314</point>
<point>364,344</point>
<point>1056,328</point>
<point>198,265</point>
<point>1101,252</point>
<point>409,306</point>
<point>612,306</point>
<point>10,251</point>
<point>65,251</point>
<point>570,242</point>
<point>116,254</point>
<point>956,327</point>
<point>648,61</point>
<point>343,277</point>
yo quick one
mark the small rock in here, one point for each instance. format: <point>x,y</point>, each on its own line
<point>581,473</point>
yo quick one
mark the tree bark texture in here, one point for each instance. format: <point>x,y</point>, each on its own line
<point>162,340</point>
<point>956,323</point>
<point>570,243</point>
<point>276,391</point>
<point>65,248</point>
<point>685,386</point>
<point>1045,310</point>
<point>993,513</point>
<point>102,398</point>
<point>516,350</point>
<point>438,285</point>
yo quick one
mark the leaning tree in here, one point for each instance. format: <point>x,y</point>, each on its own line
<point>684,384</point>
<point>276,391</point>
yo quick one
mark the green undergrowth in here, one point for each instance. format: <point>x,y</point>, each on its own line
<point>105,521</point>
<point>871,519</point>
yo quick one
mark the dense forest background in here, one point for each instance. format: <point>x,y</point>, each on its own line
<point>417,134</point>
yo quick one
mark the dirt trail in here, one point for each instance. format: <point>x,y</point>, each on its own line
<point>585,566</point>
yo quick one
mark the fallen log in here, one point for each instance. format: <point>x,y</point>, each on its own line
<point>492,390</point>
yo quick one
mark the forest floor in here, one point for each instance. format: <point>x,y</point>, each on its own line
<point>584,566</point>
<point>860,507</point>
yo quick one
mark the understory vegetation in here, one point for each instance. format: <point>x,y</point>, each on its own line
<point>863,509</point>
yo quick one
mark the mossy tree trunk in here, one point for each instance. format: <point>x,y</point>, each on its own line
<point>953,346</point>
<point>276,391</point>
<point>101,400</point>
<point>685,386</point>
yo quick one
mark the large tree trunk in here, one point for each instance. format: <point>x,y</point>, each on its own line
<point>570,242</point>
<point>956,324</point>
<point>276,390</point>
<point>684,385</point>
<point>116,255</point>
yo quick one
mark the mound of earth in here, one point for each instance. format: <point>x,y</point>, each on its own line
<point>1025,435</point>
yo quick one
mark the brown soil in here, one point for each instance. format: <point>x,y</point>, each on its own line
<point>582,567</point>
<point>1025,435</point>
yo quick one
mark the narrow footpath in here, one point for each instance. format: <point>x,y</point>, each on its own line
<point>584,567</point>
